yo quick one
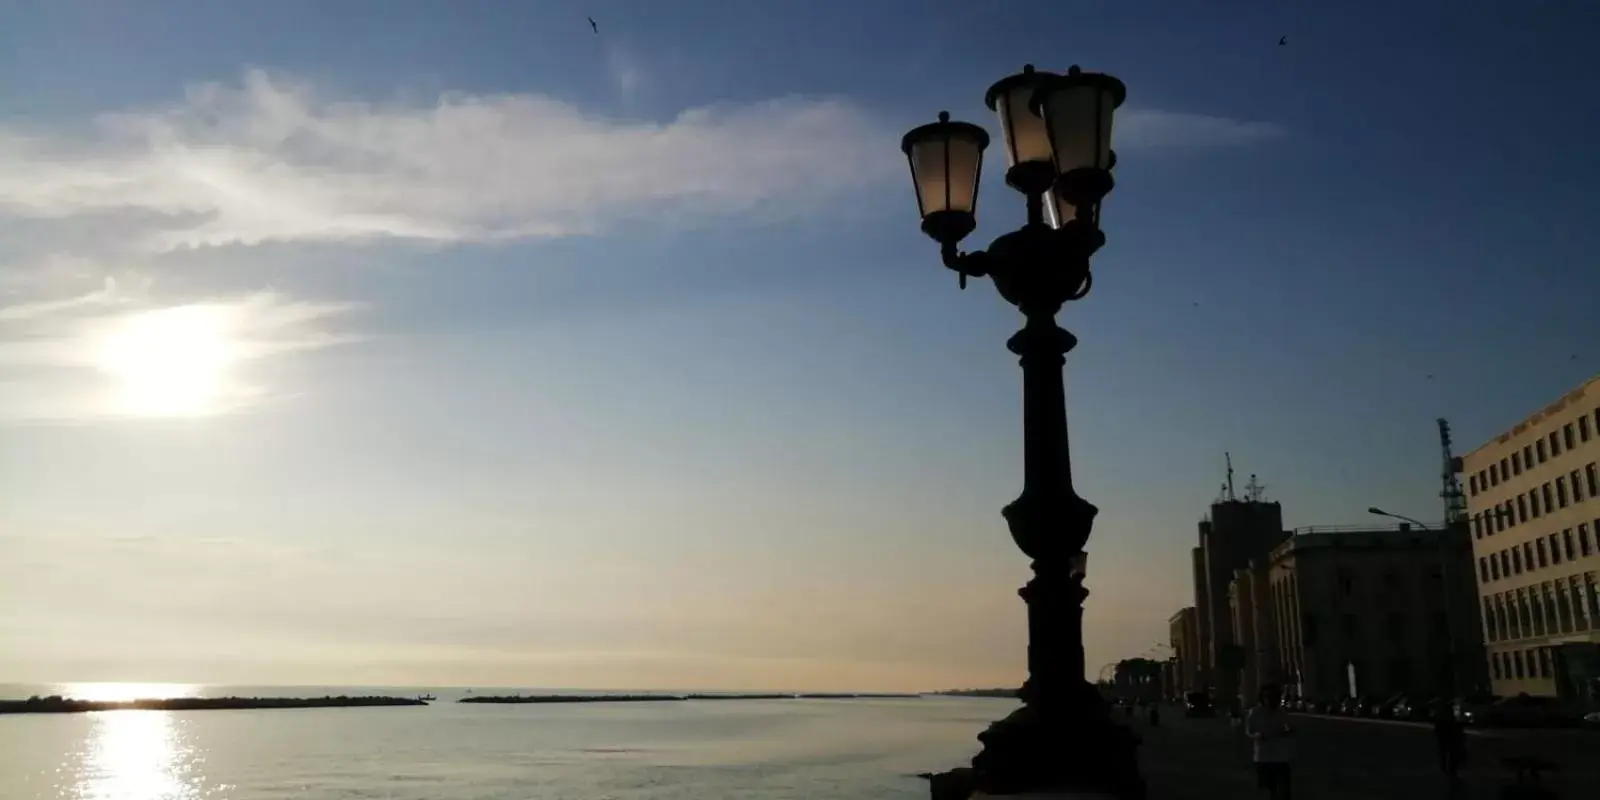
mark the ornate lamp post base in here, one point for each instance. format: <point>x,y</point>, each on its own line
<point>1071,750</point>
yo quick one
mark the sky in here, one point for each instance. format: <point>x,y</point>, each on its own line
<point>384,343</point>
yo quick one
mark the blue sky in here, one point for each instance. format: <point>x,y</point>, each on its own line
<point>373,342</point>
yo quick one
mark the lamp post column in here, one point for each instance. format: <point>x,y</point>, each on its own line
<point>1062,739</point>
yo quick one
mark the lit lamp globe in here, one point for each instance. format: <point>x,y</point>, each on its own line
<point>946,163</point>
<point>1077,110</point>
<point>1030,167</point>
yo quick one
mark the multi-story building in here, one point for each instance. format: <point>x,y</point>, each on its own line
<point>1237,532</point>
<point>1533,498</point>
<point>1183,635</point>
<point>1202,620</point>
<point>1369,611</point>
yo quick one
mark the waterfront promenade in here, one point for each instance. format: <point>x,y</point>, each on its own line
<point>1345,758</point>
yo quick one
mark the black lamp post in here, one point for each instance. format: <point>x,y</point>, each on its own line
<point>1057,133</point>
<point>1446,550</point>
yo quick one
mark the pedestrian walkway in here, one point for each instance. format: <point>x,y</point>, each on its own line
<point>1339,758</point>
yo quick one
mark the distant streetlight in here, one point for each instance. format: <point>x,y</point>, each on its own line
<point>1057,135</point>
<point>1444,581</point>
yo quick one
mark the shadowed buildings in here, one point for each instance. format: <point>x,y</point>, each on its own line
<point>1396,607</point>
<point>1386,610</point>
<point>1237,532</point>
<point>1534,505</point>
<point>1183,635</point>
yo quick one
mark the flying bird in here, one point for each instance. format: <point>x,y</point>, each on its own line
<point>593,24</point>
<point>1283,40</point>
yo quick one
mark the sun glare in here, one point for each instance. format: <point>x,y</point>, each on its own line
<point>169,363</point>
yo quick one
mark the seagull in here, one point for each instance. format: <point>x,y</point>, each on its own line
<point>593,24</point>
<point>1283,40</point>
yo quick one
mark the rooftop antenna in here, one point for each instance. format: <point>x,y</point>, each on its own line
<point>1229,485</point>
<point>1254,491</point>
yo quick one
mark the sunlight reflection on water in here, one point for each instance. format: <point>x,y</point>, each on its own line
<point>138,755</point>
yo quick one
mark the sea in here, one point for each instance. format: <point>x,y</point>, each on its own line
<point>744,749</point>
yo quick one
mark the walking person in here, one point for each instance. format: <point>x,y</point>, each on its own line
<point>1450,739</point>
<point>1267,725</point>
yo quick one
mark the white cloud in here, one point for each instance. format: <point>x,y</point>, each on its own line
<point>274,160</point>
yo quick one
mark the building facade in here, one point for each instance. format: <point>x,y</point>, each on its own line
<point>1138,679</point>
<point>1255,627</point>
<point>1533,498</point>
<point>1183,636</point>
<point>1368,611</point>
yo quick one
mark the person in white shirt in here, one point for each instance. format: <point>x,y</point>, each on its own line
<point>1267,725</point>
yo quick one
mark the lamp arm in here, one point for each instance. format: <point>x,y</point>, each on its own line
<point>974,264</point>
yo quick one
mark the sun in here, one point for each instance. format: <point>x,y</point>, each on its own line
<point>169,362</point>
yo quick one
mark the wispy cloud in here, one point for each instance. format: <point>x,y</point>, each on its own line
<point>272,159</point>
<point>1152,129</point>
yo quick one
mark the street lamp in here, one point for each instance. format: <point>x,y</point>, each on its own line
<point>1445,545</point>
<point>1056,129</point>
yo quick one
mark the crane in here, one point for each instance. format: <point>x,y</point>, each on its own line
<point>1455,502</point>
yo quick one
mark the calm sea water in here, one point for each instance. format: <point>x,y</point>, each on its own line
<point>747,749</point>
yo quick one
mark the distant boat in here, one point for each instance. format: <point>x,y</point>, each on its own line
<point>426,697</point>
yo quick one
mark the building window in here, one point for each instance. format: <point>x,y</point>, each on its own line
<point>1566,544</point>
<point>1516,560</point>
<point>1483,570</point>
<point>1505,564</point>
<point>1561,491</point>
<point>1533,500</point>
<point>1505,469</point>
<point>1555,549</point>
<point>1566,435</point>
<point>1522,508</point>
<point>1544,663</point>
<point>1544,559</point>
<point>1527,455</point>
<point>1493,569</point>
<point>1516,463</point>
<point>1494,474</point>
<point>1555,443</point>
<point>1548,498</point>
<point>1583,428</point>
<point>1516,661</point>
<point>1592,478</point>
<point>1395,627</point>
<point>1472,485</point>
<point>1577,486</point>
<point>1527,555</point>
<point>1539,448</point>
<point>1583,539</point>
<point>1494,664</point>
<point>1580,615</point>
